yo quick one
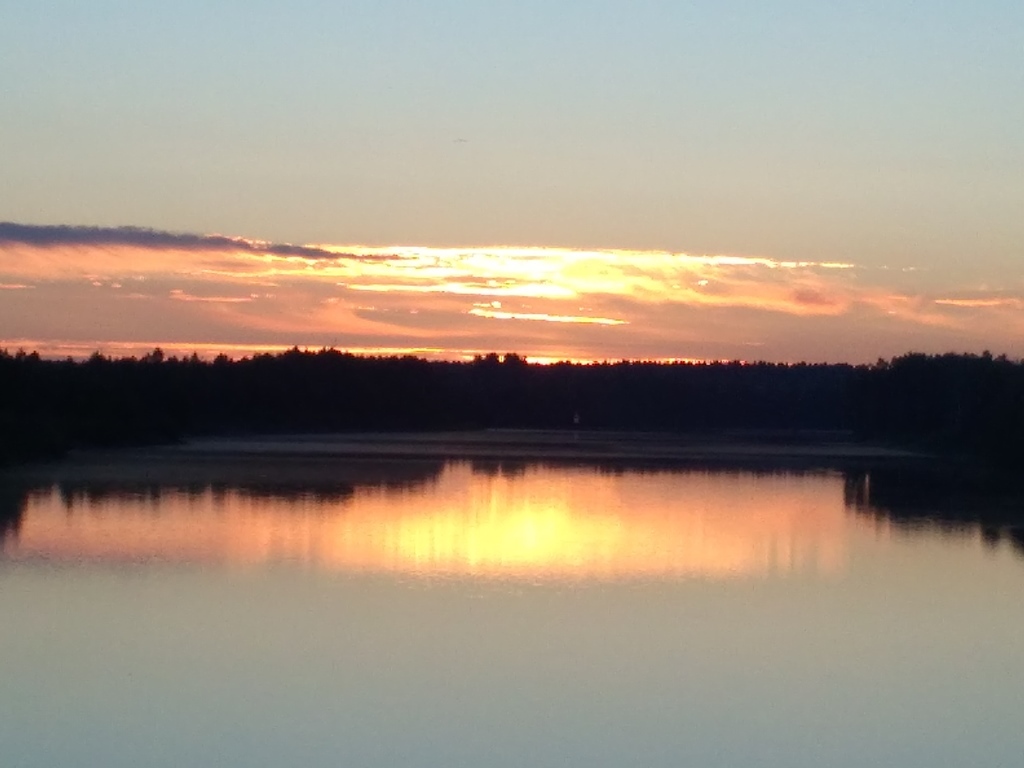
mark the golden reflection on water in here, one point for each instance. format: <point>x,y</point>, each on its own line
<point>537,523</point>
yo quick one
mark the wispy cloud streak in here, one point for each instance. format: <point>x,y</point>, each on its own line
<point>498,314</point>
<point>179,295</point>
<point>66,235</point>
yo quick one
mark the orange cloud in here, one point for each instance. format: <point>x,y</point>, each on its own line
<point>982,303</point>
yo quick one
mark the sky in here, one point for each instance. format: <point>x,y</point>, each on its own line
<point>604,180</point>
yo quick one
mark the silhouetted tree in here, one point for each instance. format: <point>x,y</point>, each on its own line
<point>961,403</point>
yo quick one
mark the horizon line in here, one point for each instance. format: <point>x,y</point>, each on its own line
<point>210,351</point>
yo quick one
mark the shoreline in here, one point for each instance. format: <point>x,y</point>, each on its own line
<point>543,445</point>
<point>354,457</point>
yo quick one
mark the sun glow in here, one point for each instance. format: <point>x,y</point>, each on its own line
<point>529,523</point>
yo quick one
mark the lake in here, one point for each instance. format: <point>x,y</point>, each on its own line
<point>282,611</point>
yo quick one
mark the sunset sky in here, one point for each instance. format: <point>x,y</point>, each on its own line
<point>659,180</point>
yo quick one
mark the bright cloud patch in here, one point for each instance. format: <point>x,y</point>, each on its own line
<point>502,315</point>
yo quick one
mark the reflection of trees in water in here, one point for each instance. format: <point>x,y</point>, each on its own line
<point>12,506</point>
<point>287,481</point>
<point>617,467</point>
<point>911,497</point>
<point>150,494</point>
<point>500,467</point>
<point>949,500</point>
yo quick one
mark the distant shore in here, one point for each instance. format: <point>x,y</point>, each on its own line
<point>557,445</point>
<point>329,462</point>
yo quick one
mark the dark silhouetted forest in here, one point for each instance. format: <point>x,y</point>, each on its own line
<point>958,403</point>
<point>967,404</point>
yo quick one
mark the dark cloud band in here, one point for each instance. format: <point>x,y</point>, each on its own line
<point>57,235</point>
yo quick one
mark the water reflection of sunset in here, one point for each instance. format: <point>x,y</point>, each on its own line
<point>535,524</point>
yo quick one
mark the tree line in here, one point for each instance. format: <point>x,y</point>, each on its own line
<point>964,403</point>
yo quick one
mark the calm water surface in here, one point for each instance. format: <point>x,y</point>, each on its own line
<point>475,614</point>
